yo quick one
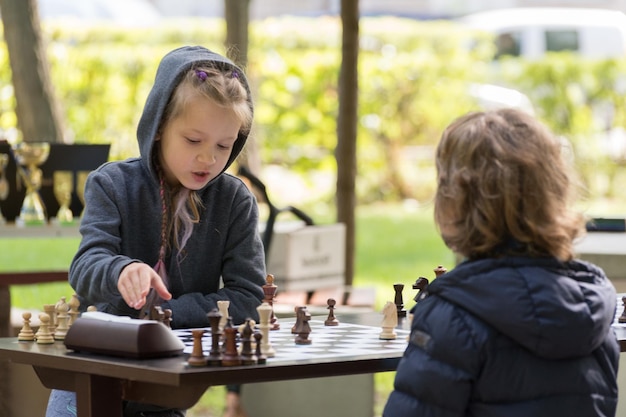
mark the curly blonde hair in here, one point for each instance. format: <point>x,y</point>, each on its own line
<point>504,187</point>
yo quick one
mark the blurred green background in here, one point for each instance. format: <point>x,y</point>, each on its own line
<point>415,77</point>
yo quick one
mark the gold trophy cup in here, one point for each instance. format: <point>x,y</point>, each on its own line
<point>63,185</point>
<point>81,179</point>
<point>30,156</point>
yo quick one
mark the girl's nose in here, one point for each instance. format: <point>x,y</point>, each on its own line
<point>207,156</point>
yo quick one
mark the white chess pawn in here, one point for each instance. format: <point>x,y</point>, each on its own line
<point>43,335</point>
<point>74,304</point>
<point>62,321</point>
<point>26,333</point>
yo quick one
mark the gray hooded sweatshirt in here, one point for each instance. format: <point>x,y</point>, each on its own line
<point>121,224</point>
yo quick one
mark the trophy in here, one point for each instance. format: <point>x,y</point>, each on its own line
<point>29,156</point>
<point>81,178</point>
<point>63,185</point>
<point>4,184</point>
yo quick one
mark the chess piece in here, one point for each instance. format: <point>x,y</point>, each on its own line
<point>74,304</point>
<point>215,354</point>
<point>92,309</point>
<point>420,285</point>
<point>390,321</point>
<point>243,325</point>
<point>167,319</point>
<point>303,329</point>
<point>269,291</point>
<point>265,311</point>
<point>44,335</point>
<point>197,357</point>
<point>247,354</point>
<point>59,305</point>
<point>260,357</point>
<point>157,314</point>
<point>222,306</point>
<point>398,300</point>
<point>62,309</point>
<point>622,318</point>
<point>439,271</point>
<point>230,357</point>
<point>297,323</point>
<point>26,333</point>
<point>50,310</point>
<point>331,320</point>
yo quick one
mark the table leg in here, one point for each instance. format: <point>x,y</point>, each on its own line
<point>5,311</point>
<point>98,396</point>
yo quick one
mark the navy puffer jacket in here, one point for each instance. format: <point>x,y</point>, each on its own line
<point>511,337</point>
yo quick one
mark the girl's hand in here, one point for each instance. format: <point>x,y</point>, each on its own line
<point>135,282</point>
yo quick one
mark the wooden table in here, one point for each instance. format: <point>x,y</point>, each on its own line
<point>102,382</point>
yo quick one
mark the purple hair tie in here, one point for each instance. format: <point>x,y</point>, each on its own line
<point>235,74</point>
<point>201,74</point>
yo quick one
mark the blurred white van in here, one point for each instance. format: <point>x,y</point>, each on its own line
<point>533,31</point>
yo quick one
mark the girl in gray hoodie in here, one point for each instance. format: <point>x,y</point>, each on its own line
<point>171,227</point>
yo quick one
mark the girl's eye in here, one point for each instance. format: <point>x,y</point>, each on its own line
<point>224,147</point>
<point>190,140</point>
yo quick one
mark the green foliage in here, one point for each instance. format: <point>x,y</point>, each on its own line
<point>579,99</point>
<point>413,80</point>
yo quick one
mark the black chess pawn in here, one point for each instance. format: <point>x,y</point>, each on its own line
<point>197,357</point>
<point>331,320</point>
<point>215,354</point>
<point>398,300</point>
<point>247,354</point>
<point>439,271</point>
<point>260,357</point>
<point>231,356</point>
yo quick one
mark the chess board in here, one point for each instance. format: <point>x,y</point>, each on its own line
<point>619,310</point>
<point>326,341</point>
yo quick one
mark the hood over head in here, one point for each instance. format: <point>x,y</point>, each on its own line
<point>170,72</point>
<point>554,309</point>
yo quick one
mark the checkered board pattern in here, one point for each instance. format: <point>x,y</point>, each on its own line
<point>326,341</point>
<point>618,312</point>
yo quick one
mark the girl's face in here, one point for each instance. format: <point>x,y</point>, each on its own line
<point>196,145</point>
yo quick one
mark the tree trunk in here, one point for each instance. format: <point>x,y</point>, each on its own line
<point>345,153</point>
<point>37,112</point>
<point>237,14</point>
